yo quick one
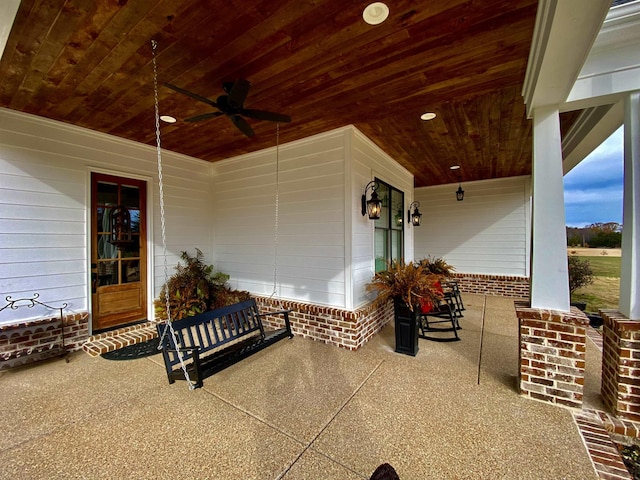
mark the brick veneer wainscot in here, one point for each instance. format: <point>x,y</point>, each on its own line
<point>497,285</point>
<point>343,328</point>
<point>32,340</point>
<point>621,365</point>
<point>552,354</point>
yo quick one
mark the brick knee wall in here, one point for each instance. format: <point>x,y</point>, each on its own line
<point>552,354</point>
<point>32,340</point>
<point>497,285</point>
<point>343,328</point>
<point>620,386</point>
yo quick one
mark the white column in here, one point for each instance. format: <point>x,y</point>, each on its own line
<point>630,271</point>
<point>549,269</point>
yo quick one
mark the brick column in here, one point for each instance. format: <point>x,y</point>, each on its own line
<point>552,354</point>
<point>621,365</point>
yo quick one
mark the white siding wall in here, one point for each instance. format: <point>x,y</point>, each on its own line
<point>487,233</point>
<point>44,193</point>
<point>311,220</point>
<point>325,247</point>
<point>368,161</point>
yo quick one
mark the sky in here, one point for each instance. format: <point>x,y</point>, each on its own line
<point>593,189</point>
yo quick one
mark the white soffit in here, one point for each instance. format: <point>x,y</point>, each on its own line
<point>8,11</point>
<point>593,126</point>
<point>563,36</point>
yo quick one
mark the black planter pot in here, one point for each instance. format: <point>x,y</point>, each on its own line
<point>406,323</point>
<point>595,321</point>
<point>579,305</point>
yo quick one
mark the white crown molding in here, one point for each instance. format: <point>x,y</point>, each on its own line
<point>42,122</point>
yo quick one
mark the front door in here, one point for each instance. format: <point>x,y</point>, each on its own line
<point>118,251</point>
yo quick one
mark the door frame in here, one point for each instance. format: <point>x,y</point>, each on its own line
<point>149,241</point>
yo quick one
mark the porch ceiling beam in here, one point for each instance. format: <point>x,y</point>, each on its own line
<point>610,71</point>
<point>613,67</point>
<point>563,36</point>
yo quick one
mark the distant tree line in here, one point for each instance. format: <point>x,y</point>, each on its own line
<point>596,235</point>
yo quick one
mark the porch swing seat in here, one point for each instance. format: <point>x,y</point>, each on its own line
<point>212,341</point>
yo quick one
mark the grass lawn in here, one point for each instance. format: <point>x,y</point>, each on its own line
<point>605,266</point>
<point>605,290</point>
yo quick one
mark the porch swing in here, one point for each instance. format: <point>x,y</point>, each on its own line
<point>196,347</point>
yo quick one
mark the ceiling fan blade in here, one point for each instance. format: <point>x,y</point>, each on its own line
<point>203,116</point>
<point>262,115</point>
<point>192,95</point>
<point>238,92</point>
<point>242,124</point>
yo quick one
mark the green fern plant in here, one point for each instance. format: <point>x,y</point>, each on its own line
<point>410,282</point>
<point>437,265</point>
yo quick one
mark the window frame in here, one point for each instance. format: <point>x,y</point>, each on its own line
<point>388,235</point>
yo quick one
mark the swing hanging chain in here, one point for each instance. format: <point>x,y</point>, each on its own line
<point>277,215</point>
<point>154,45</point>
<point>168,327</point>
<point>277,207</point>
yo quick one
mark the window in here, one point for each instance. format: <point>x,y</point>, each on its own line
<point>389,228</point>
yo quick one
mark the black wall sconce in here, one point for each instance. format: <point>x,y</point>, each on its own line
<point>415,217</point>
<point>372,207</point>
<point>460,193</point>
<point>120,226</point>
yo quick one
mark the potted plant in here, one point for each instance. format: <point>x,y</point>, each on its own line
<point>195,288</point>
<point>408,285</point>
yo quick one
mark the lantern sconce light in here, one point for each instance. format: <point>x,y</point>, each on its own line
<point>460,193</point>
<point>415,217</point>
<point>373,206</point>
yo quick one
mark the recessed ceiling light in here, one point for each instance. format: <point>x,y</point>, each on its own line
<point>428,116</point>
<point>167,118</point>
<point>454,167</point>
<point>375,13</point>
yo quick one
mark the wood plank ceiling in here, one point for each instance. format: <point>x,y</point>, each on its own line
<point>88,63</point>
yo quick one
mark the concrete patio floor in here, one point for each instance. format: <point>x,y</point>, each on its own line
<point>297,410</point>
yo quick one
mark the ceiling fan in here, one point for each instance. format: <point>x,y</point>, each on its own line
<point>232,105</point>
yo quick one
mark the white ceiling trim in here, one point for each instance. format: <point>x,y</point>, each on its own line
<point>8,12</point>
<point>563,36</point>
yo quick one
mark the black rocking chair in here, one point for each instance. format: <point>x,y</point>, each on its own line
<point>444,312</point>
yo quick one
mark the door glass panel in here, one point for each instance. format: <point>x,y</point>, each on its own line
<point>130,197</point>
<point>107,193</point>
<point>106,249</point>
<point>107,273</point>
<point>135,220</point>
<point>132,250</point>
<point>100,219</point>
<point>130,271</point>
